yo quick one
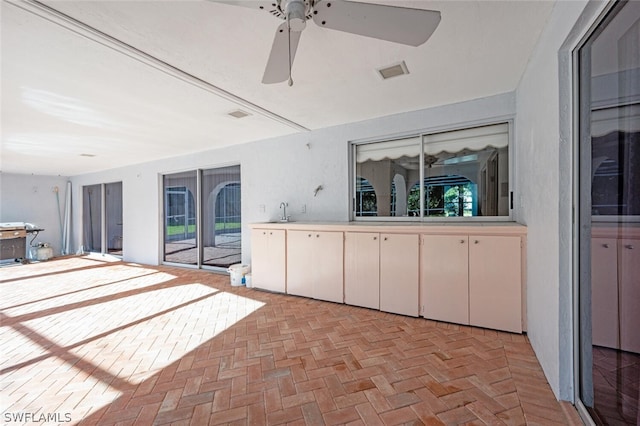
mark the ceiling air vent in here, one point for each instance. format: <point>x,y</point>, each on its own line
<point>393,70</point>
<point>239,113</point>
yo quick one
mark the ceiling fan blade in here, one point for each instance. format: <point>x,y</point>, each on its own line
<point>392,23</point>
<point>278,66</point>
<point>251,4</point>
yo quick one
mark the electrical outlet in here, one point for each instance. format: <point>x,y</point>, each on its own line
<point>303,209</point>
<point>261,208</point>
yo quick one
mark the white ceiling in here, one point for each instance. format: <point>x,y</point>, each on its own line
<point>76,100</point>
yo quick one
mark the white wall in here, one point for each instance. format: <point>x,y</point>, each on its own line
<point>281,169</point>
<point>33,199</point>
<point>544,158</point>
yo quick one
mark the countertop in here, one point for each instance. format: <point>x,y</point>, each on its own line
<point>474,227</point>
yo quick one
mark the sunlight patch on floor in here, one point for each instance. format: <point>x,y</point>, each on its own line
<point>16,271</point>
<point>88,335</point>
<point>177,321</point>
<point>79,286</point>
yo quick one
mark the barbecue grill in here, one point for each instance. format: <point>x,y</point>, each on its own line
<point>13,239</point>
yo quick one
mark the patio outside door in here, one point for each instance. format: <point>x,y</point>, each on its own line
<point>609,218</point>
<point>202,217</point>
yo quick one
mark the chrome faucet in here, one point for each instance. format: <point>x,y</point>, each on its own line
<point>283,207</point>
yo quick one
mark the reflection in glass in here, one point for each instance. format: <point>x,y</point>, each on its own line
<point>467,172</point>
<point>610,219</point>
<point>384,173</point>
<point>464,173</point>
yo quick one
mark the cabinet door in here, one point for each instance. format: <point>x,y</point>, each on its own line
<point>445,278</point>
<point>495,282</point>
<point>629,254</point>
<point>604,292</point>
<point>399,266</point>
<point>268,259</point>
<point>299,261</point>
<point>327,266</point>
<point>362,269</point>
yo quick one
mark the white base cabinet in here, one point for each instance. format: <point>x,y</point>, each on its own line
<point>362,269</point>
<point>445,278</point>
<point>463,274</point>
<point>315,265</point>
<point>381,272</point>
<point>473,279</point>
<point>399,271</point>
<point>268,254</point>
<point>495,282</point>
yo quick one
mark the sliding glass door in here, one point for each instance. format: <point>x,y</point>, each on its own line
<point>180,221</point>
<point>92,218</point>
<point>609,218</point>
<point>102,218</point>
<point>113,217</point>
<point>202,217</point>
<point>221,216</point>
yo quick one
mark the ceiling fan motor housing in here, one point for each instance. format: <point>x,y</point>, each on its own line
<point>295,11</point>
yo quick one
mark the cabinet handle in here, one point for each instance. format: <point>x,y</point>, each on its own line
<point>461,241</point>
<point>385,238</point>
<point>270,233</point>
<point>629,246</point>
<point>309,235</point>
<point>264,233</point>
<point>605,245</point>
<point>375,238</point>
<point>476,242</point>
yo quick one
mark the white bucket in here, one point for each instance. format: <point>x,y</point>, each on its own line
<point>247,280</point>
<point>237,273</point>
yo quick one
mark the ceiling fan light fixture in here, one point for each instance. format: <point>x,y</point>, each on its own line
<point>239,114</point>
<point>394,70</point>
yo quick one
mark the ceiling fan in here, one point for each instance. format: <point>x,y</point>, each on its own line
<point>402,25</point>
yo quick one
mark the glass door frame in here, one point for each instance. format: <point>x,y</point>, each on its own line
<point>581,216</point>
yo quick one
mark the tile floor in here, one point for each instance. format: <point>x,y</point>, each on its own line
<point>91,341</point>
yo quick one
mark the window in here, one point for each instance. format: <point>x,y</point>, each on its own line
<point>462,173</point>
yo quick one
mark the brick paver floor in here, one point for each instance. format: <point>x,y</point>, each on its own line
<point>86,340</point>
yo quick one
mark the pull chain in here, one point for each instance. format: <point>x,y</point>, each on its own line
<point>289,42</point>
